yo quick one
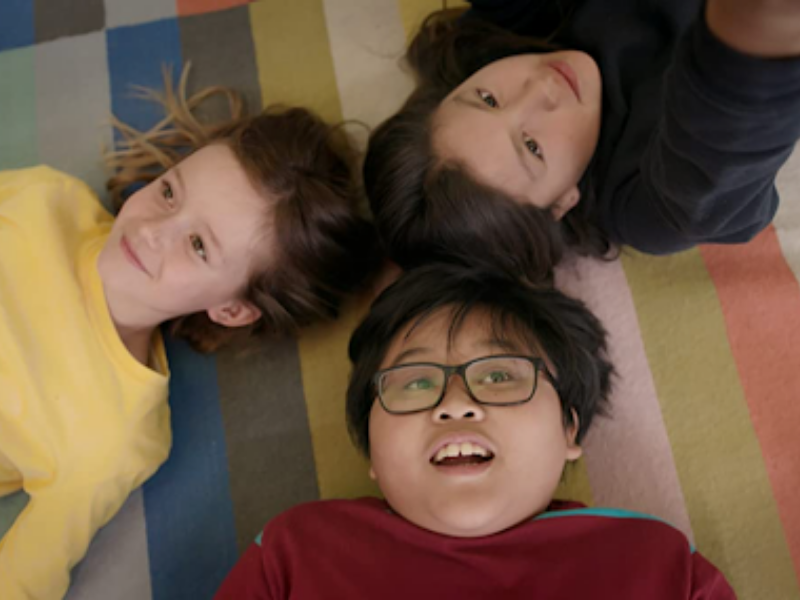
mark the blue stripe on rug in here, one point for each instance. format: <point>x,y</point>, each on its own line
<point>190,526</point>
<point>16,24</point>
<point>136,56</point>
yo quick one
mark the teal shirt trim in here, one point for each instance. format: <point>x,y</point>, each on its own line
<point>611,513</point>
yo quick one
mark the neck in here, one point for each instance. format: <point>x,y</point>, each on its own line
<point>134,328</point>
<point>137,341</point>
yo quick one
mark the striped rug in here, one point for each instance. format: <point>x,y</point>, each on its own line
<point>706,414</point>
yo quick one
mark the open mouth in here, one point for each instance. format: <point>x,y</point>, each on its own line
<point>463,454</point>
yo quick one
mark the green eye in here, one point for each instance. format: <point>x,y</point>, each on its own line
<point>419,385</point>
<point>488,99</point>
<point>497,377</point>
<point>198,247</point>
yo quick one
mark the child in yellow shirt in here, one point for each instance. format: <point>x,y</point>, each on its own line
<point>256,231</point>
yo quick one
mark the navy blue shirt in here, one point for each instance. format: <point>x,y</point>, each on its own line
<point>693,132</point>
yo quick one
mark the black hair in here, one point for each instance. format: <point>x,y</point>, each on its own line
<point>561,328</point>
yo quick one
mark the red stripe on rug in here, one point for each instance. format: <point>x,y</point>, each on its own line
<point>196,7</point>
<point>760,300</point>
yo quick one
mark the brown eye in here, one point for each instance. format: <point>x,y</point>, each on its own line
<point>533,147</point>
<point>167,194</point>
<point>199,247</point>
<point>488,98</point>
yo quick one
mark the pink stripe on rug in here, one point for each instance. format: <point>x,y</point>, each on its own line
<point>628,456</point>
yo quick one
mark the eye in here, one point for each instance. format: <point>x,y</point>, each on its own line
<point>167,193</point>
<point>496,377</point>
<point>199,247</point>
<point>418,385</point>
<point>533,147</point>
<point>488,99</point>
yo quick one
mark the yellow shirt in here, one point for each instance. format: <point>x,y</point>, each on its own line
<point>82,423</point>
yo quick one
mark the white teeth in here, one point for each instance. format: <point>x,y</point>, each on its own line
<point>455,450</point>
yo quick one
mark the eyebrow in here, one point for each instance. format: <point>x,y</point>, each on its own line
<point>525,164</point>
<point>406,354</point>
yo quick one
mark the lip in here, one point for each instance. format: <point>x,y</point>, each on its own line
<point>569,76</point>
<point>459,438</point>
<point>129,253</point>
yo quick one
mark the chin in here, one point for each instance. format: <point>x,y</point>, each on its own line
<point>470,523</point>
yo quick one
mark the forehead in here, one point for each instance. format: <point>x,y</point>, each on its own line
<point>445,333</point>
<point>470,134</point>
<point>219,192</point>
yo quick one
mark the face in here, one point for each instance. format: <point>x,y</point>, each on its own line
<point>527,125</point>
<point>526,445</point>
<point>187,243</point>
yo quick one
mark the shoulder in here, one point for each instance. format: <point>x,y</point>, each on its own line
<point>326,516</point>
<point>42,186</point>
<point>41,175</point>
<point>628,527</point>
<point>347,510</point>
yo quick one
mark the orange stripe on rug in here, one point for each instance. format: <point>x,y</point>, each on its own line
<point>196,7</point>
<point>764,331</point>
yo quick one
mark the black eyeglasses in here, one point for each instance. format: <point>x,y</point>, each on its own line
<point>503,380</point>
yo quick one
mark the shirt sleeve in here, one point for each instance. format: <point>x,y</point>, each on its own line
<point>729,122</point>
<point>247,580</point>
<point>707,582</point>
<point>52,534</point>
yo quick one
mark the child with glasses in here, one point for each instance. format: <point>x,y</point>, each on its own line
<point>469,395</point>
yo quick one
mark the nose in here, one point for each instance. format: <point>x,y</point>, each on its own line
<point>538,92</point>
<point>160,232</point>
<point>457,404</point>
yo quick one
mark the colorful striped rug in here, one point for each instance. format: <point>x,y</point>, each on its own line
<point>706,415</point>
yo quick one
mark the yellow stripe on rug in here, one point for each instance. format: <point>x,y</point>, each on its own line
<point>341,471</point>
<point>293,56</point>
<point>413,12</point>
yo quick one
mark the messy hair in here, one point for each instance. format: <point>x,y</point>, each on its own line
<point>558,328</point>
<point>303,169</point>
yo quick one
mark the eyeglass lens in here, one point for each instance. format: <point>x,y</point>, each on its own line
<point>500,380</point>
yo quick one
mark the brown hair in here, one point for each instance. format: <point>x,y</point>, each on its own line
<point>325,247</point>
<point>404,176</point>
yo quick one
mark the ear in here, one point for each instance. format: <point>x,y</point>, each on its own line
<point>372,474</point>
<point>236,313</point>
<point>574,451</point>
<point>564,203</point>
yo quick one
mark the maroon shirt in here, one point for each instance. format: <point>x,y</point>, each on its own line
<point>361,549</point>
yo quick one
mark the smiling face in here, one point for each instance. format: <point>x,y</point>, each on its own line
<point>513,456</point>
<point>527,125</point>
<point>188,242</point>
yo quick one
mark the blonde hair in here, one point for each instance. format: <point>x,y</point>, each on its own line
<point>142,156</point>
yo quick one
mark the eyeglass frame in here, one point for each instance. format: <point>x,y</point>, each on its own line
<point>539,366</point>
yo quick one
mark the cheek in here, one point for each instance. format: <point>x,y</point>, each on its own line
<point>391,451</point>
